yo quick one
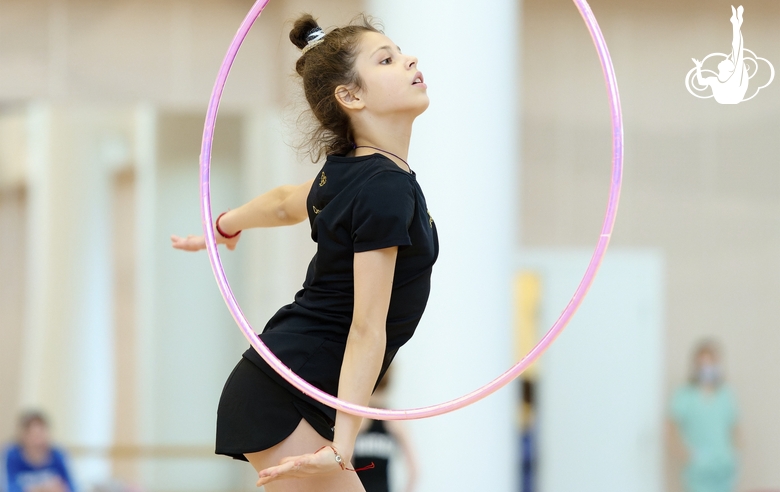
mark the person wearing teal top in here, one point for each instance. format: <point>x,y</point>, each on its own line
<point>704,415</point>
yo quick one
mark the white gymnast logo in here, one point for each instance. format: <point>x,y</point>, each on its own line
<point>730,84</point>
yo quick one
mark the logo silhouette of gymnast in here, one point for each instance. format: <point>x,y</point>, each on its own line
<point>735,70</point>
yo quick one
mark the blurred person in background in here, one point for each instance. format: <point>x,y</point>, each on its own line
<point>704,421</point>
<point>33,464</point>
<point>528,433</point>
<point>379,441</point>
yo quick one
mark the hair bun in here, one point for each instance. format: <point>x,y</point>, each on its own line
<point>301,30</point>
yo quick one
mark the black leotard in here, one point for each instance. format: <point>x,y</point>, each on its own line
<point>355,204</point>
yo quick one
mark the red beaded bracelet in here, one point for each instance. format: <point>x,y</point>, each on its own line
<point>220,231</point>
<point>341,463</point>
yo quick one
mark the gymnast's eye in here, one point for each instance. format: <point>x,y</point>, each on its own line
<point>388,60</point>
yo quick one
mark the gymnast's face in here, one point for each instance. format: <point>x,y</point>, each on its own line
<point>392,83</point>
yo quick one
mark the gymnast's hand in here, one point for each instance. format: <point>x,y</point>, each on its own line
<point>197,243</point>
<point>304,466</point>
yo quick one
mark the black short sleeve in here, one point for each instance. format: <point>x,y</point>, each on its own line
<point>382,212</point>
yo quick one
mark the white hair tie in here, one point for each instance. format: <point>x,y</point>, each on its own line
<point>315,37</point>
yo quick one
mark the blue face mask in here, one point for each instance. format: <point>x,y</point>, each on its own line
<point>708,374</point>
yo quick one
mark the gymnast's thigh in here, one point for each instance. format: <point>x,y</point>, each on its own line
<point>302,441</point>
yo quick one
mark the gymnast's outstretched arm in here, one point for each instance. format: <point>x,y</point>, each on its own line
<point>283,205</point>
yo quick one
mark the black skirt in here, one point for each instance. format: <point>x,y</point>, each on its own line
<point>257,412</point>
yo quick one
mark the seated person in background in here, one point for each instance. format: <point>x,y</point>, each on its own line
<point>33,464</point>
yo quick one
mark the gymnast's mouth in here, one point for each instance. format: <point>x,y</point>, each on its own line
<point>418,78</point>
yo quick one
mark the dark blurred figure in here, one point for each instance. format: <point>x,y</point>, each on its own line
<point>704,418</point>
<point>33,464</point>
<point>378,441</point>
<point>528,436</point>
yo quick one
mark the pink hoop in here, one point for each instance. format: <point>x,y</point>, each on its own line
<point>514,371</point>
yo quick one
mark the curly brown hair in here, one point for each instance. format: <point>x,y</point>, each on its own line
<point>329,64</point>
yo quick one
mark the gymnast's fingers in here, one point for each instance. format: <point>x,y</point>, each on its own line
<point>278,472</point>
<point>298,467</point>
<point>190,243</point>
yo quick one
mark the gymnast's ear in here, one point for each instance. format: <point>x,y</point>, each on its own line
<point>348,98</point>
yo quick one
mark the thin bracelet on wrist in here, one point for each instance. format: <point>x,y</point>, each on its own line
<point>341,463</point>
<point>221,232</point>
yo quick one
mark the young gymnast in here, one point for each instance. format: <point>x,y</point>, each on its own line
<point>366,287</point>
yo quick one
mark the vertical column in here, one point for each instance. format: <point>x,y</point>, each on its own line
<point>126,348</point>
<point>464,150</point>
<point>187,334</point>
<point>12,271</point>
<point>145,241</point>
<point>13,248</point>
<point>67,348</point>
<point>144,149</point>
<point>38,241</point>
